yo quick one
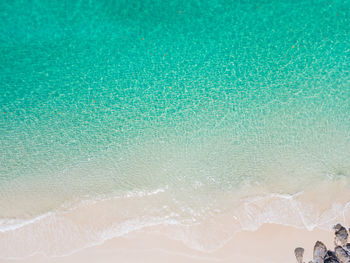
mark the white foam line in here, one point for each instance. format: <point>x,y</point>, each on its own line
<point>105,237</point>
<point>5,226</point>
<point>343,212</point>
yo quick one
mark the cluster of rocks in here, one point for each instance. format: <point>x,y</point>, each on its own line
<point>341,253</point>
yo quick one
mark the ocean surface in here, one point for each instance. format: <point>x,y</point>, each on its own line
<point>203,118</point>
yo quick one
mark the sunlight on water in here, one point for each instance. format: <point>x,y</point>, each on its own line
<point>215,106</point>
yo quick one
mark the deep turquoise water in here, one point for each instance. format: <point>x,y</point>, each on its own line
<point>200,99</point>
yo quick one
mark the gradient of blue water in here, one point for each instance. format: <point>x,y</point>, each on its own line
<point>103,96</point>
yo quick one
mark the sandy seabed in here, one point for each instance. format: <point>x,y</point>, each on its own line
<point>271,243</point>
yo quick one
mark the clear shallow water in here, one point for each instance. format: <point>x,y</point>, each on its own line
<point>207,104</point>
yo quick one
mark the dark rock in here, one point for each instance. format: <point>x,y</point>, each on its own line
<point>342,255</point>
<point>299,253</point>
<point>341,235</point>
<point>331,257</point>
<point>331,260</point>
<point>320,251</point>
<point>347,248</point>
<point>337,227</point>
<point>330,253</point>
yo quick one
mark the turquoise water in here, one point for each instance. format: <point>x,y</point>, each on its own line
<point>200,100</point>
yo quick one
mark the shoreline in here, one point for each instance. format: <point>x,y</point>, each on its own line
<point>92,225</point>
<point>271,243</point>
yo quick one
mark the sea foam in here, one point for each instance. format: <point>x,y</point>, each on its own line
<point>72,227</point>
